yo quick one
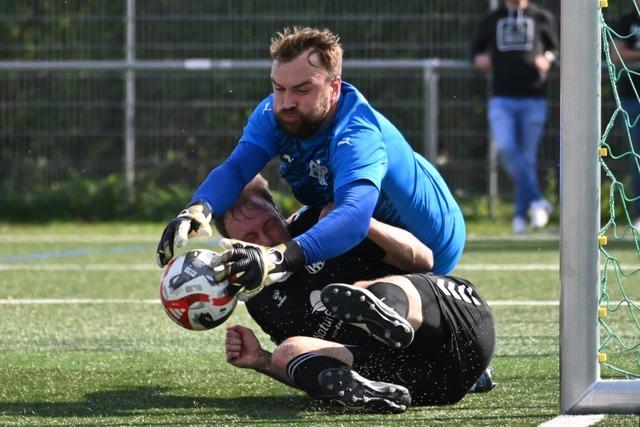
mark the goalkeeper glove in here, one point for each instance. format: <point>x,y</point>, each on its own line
<point>191,222</point>
<point>255,267</point>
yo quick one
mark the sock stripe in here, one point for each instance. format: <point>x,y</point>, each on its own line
<point>298,360</point>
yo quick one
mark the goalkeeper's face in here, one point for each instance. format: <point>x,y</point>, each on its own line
<point>304,95</point>
<point>257,221</point>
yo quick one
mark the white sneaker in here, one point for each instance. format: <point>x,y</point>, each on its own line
<point>539,211</point>
<point>519,225</point>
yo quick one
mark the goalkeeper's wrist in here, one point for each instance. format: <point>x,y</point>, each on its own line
<point>293,256</point>
<point>206,207</point>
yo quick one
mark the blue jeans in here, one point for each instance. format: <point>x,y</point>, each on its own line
<point>517,125</point>
<point>632,107</point>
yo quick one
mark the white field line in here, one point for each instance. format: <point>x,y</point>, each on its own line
<point>573,420</point>
<point>34,266</point>
<point>65,238</point>
<point>146,238</point>
<point>97,301</point>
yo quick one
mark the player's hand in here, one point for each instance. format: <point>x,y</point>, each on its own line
<point>191,222</point>
<point>243,349</point>
<point>253,266</point>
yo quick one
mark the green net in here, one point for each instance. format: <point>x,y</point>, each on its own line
<point>620,252</point>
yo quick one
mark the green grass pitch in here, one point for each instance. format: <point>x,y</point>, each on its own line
<point>108,363</point>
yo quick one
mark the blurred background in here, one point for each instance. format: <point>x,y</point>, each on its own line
<point>116,120</point>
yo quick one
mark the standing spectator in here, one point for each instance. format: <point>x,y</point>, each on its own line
<point>517,43</point>
<point>628,54</point>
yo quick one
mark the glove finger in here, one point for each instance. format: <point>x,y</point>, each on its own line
<point>233,254</point>
<point>205,230</point>
<point>221,273</point>
<point>164,252</point>
<point>182,233</point>
<point>226,243</point>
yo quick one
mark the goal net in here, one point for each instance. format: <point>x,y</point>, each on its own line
<point>599,234</point>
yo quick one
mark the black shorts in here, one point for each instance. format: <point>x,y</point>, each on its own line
<point>450,350</point>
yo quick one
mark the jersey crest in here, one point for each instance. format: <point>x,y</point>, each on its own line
<point>316,170</point>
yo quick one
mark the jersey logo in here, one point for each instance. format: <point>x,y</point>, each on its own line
<point>343,142</point>
<point>267,107</point>
<point>280,298</point>
<point>316,170</point>
<point>460,292</point>
<point>316,302</point>
<point>315,267</point>
<point>515,34</point>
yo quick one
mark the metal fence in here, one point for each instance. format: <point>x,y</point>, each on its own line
<point>103,87</point>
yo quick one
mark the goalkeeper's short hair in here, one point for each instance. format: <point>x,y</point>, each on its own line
<point>258,186</point>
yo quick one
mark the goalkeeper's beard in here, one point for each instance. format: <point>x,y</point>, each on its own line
<point>307,124</point>
<point>303,128</point>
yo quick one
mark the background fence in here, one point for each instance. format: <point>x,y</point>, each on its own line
<point>60,124</point>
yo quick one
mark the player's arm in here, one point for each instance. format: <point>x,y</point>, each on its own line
<point>214,196</point>
<point>243,350</point>
<point>402,249</point>
<point>480,55</point>
<point>253,266</point>
<point>345,226</point>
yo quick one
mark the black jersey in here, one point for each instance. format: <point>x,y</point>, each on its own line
<point>628,27</point>
<point>514,38</point>
<point>293,307</point>
<point>450,350</point>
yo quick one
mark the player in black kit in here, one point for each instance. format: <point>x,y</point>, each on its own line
<point>381,344</point>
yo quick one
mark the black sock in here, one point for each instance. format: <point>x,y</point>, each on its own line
<point>392,295</point>
<point>305,368</point>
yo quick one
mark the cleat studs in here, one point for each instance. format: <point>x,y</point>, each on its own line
<point>398,344</point>
<point>325,299</point>
<point>372,306</point>
<point>347,316</point>
<point>396,323</point>
<point>334,308</point>
<point>387,334</point>
<point>335,290</point>
<point>341,393</point>
<point>362,298</point>
<point>348,293</point>
<point>340,373</point>
<point>359,318</point>
<point>330,387</point>
<point>392,389</point>
<point>354,399</point>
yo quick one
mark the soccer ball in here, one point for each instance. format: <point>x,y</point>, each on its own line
<point>190,294</point>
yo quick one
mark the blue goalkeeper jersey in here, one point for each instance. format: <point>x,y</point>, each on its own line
<point>361,144</point>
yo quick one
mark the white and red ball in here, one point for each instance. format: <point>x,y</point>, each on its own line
<point>190,294</point>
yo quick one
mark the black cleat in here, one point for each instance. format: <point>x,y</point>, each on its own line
<point>359,306</point>
<point>345,386</point>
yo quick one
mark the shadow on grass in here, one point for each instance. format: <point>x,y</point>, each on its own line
<point>156,400</point>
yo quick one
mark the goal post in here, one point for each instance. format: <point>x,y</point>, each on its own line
<point>581,388</point>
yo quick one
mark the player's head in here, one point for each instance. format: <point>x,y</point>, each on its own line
<point>254,217</point>
<point>306,78</point>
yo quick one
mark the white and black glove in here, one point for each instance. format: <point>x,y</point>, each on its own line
<point>254,266</point>
<point>191,222</point>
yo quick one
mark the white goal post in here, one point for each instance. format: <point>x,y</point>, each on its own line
<point>581,389</point>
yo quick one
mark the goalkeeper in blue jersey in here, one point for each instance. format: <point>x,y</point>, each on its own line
<point>333,147</point>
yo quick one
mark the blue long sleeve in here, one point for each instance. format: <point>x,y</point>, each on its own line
<point>345,226</point>
<point>225,182</point>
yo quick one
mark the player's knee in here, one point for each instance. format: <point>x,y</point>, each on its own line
<point>287,350</point>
